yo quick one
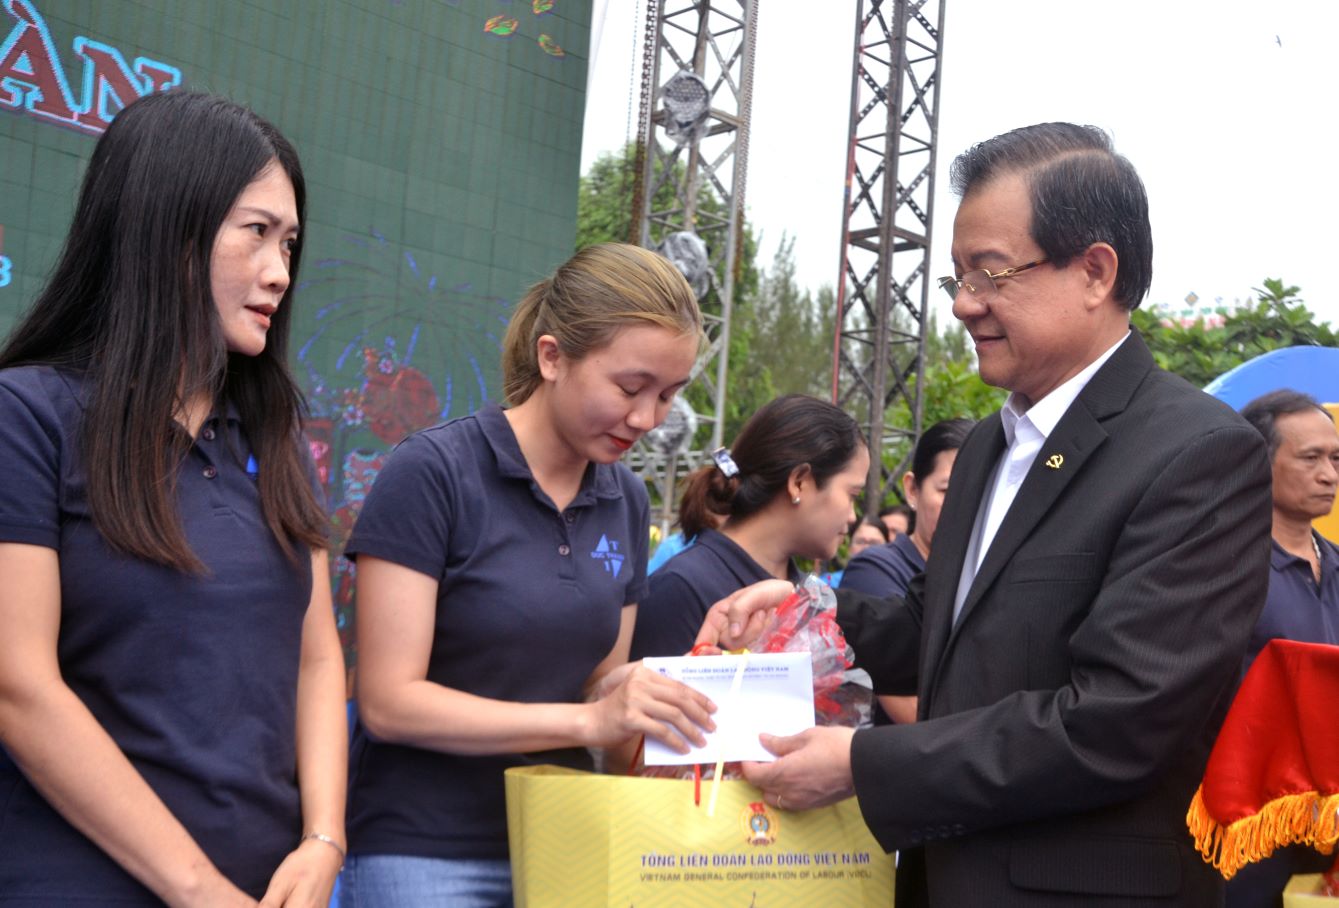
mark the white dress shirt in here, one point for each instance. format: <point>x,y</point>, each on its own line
<point>1025,429</point>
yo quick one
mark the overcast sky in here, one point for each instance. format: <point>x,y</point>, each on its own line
<point>1226,108</point>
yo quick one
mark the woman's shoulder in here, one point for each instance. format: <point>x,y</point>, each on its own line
<point>900,551</point>
<point>906,550</point>
<point>457,440</point>
<point>449,431</point>
<point>686,559</point>
<point>712,558</point>
<point>690,574</point>
<point>52,394</point>
<point>897,562</point>
<point>39,378</point>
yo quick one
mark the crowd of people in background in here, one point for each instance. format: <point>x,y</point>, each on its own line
<point>1053,616</point>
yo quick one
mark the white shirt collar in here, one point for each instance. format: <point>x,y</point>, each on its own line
<point>1045,414</point>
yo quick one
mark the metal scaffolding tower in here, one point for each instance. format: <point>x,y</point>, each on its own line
<point>691,159</point>
<point>883,290</point>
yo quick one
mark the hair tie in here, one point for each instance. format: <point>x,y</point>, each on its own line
<point>724,462</point>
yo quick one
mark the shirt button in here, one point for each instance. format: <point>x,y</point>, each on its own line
<point>210,472</point>
<point>570,517</point>
<point>207,434</point>
<point>564,549</point>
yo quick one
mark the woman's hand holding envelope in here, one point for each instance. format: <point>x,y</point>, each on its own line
<point>632,701</point>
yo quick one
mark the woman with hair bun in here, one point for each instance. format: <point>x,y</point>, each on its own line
<point>785,490</point>
<point>500,557</point>
<point>171,682</point>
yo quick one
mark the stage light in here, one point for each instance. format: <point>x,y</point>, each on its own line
<point>687,103</point>
<point>689,254</point>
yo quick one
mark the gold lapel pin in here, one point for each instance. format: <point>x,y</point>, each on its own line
<point>1055,461</point>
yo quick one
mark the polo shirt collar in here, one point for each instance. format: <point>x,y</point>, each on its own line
<point>908,550</point>
<point>225,420</point>
<point>230,411</point>
<point>599,480</point>
<point>1279,558</point>
<point>739,562</point>
<point>77,381</point>
<point>1045,414</point>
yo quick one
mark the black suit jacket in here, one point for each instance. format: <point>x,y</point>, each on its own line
<point>1065,719</point>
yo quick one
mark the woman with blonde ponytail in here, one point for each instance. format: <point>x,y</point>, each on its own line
<point>500,559</point>
<point>784,490</point>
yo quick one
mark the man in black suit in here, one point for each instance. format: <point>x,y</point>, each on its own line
<point>1098,565</point>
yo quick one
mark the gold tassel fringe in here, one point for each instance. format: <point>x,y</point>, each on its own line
<point>1308,818</point>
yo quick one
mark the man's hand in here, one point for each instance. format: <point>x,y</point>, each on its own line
<point>738,619</point>
<point>813,769</point>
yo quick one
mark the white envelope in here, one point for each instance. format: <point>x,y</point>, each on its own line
<point>775,694</point>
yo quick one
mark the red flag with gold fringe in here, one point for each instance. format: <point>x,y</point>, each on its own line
<point>1273,776</point>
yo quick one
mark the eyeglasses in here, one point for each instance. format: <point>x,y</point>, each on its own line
<point>981,284</point>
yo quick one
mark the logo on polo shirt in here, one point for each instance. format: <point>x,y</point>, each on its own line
<point>607,551</point>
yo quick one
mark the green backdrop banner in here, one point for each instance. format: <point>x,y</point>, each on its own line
<point>441,142</point>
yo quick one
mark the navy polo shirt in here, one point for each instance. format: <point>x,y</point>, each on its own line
<point>193,676</point>
<point>884,570</point>
<point>529,602</point>
<point>1296,607</point>
<point>670,616</point>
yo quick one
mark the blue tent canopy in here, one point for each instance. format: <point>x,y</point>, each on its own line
<point>1311,370</point>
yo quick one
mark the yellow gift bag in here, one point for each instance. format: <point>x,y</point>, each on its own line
<point>582,839</point>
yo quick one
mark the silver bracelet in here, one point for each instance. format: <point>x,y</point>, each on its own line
<point>322,837</point>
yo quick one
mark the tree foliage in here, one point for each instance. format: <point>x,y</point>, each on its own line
<point>793,331</point>
<point>604,200</point>
<point>952,390</point>
<point>604,212</point>
<point>1199,353</point>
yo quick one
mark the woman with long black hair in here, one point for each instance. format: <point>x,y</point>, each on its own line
<point>171,684</point>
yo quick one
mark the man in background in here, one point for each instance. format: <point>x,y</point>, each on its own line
<point>1303,599</point>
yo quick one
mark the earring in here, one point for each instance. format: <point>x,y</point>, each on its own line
<point>795,500</point>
